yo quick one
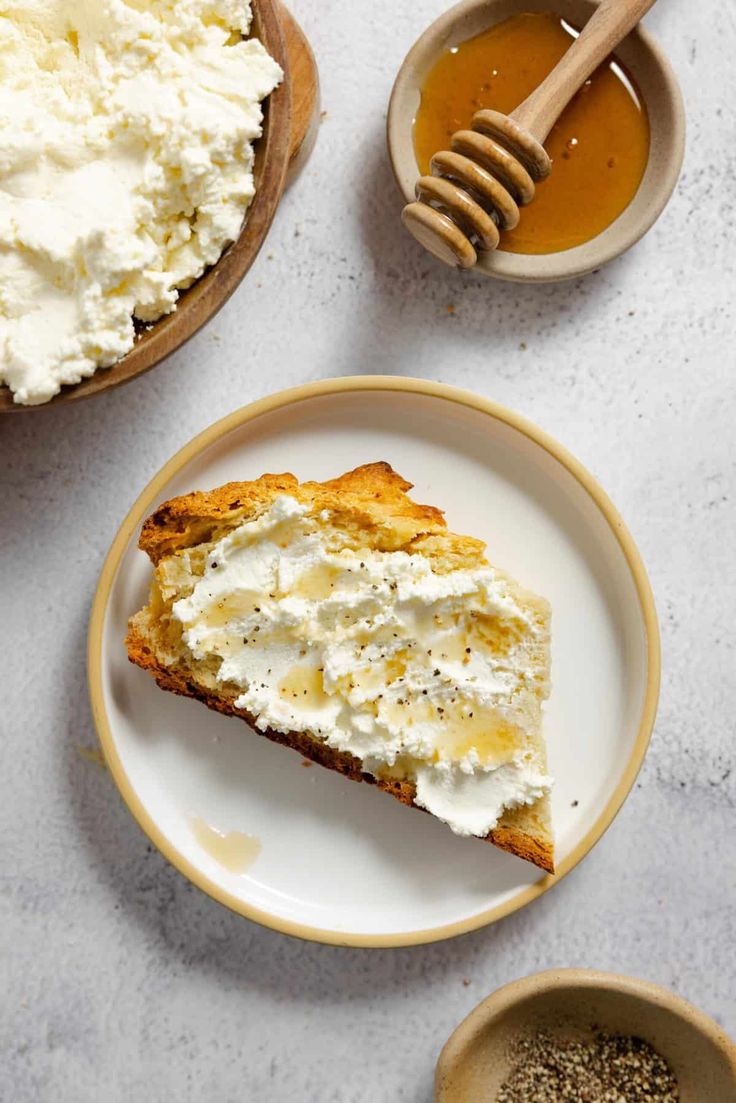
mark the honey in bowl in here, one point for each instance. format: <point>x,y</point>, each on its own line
<point>599,145</point>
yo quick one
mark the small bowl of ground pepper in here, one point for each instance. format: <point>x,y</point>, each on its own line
<point>580,1036</point>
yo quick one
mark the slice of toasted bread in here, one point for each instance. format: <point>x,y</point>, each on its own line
<point>370,509</point>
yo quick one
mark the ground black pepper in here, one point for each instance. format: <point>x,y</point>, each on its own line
<point>610,1068</point>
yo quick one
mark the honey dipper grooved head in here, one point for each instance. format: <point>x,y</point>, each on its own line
<point>500,165</point>
<point>439,235</point>
<point>460,206</point>
<point>478,181</point>
<point>502,128</point>
<point>475,189</point>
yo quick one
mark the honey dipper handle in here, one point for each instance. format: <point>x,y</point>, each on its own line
<point>609,24</point>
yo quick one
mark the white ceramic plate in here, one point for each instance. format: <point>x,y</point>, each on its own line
<point>341,862</point>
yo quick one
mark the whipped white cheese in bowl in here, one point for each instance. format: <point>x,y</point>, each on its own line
<point>126,167</point>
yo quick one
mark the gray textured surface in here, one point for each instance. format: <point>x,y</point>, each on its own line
<point>122,982</point>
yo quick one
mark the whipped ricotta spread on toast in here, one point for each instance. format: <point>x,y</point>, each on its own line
<point>126,167</point>
<point>421,675</point>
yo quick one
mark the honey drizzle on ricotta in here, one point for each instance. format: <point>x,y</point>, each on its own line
<point>412,671</point>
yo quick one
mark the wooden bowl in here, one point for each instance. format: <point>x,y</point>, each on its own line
<point>577,1003</point>
<point>659,88</point>
<point>204,298</point>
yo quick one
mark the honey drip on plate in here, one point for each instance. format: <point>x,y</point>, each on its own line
<point>235,851</point>
<point>599,146</point>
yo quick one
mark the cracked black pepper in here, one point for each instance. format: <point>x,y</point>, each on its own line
<point>610,1068</point>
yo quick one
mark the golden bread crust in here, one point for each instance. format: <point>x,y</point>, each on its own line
<point>373,501</point>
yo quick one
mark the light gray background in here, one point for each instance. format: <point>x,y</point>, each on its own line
<point>124,983</point>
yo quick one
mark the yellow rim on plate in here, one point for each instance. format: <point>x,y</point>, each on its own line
<point>423,387</point>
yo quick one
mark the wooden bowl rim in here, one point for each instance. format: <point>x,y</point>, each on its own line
<point>199,303</point>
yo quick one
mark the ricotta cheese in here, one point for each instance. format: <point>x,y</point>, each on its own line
<point>125,169</point>
<point>412,671</point>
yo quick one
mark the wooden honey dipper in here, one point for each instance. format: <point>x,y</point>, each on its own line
<point>477,186</point>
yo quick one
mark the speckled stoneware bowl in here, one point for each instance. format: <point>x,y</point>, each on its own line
<point>578,1003</point>
<point>657,83</point>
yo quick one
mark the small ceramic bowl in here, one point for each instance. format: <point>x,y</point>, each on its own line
<point>652,73</point>
<point>578,1003</point>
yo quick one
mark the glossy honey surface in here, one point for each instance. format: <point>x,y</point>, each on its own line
<point>599,146</point>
